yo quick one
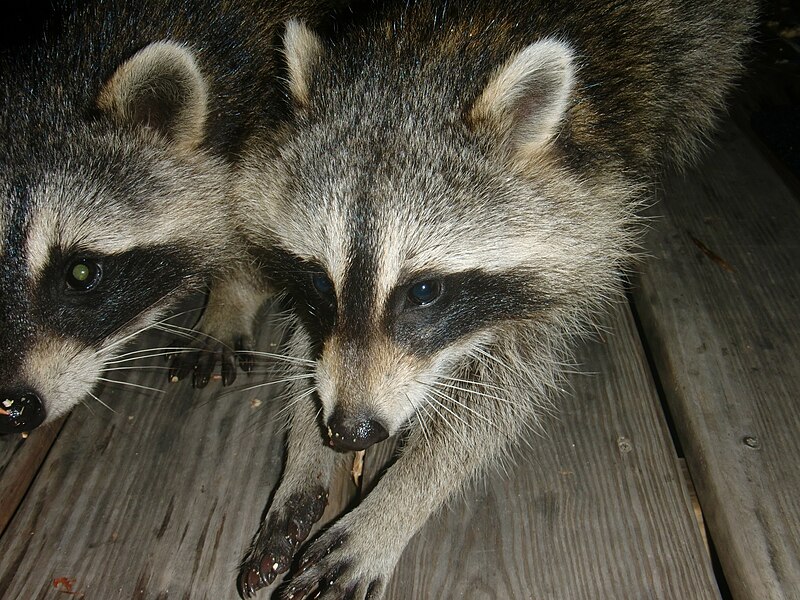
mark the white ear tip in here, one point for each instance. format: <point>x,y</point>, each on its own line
<point>294,27</point>
<point>161,87</point>
<point>301,47</point>
<point>529,95</point>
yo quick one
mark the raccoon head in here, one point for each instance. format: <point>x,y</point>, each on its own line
<point>106,222</point>
<point>415,222</point>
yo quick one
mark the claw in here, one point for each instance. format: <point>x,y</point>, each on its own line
<point>246,583</point>
<point>228,367</point>
<point>245,357</point>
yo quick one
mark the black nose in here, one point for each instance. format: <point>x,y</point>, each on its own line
<point>20,410</point>
<point>357,433</point>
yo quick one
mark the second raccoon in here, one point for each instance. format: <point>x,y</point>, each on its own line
<point>454,204</point>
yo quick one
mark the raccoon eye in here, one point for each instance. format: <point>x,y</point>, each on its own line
<point>83,274</point>
<point>423,293</point>
<point>322,284</point>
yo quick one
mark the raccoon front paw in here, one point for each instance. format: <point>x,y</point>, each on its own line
<point>284,529</point>
<point>333,569</point>
<point>202,354</point>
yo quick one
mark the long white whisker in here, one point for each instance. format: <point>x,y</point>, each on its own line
<point>140,330</point>
<point>420,420</point>
<point>139,368</point>
<point>293,359</point>
<point>184,332</point>
<point>473,382</point>
<point>483,352</point>
<point>444,406</point>
<point>135,385</point>
<point>502,399</point>
<point>464,406</point>
<point>274,382</point>
<point>433,404</point>
<point>294,401</point>
<point>103,403</point>
<point>143,354</point>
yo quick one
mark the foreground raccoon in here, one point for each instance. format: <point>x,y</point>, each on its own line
<point>119,138</point>
<point>454,203</point>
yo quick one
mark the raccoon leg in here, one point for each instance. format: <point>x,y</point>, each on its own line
<point>356,556</point>
<point>298,503</point>
<point>226,331</point>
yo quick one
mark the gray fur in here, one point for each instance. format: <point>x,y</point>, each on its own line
<point>496,153</point>
<point>121,130</point>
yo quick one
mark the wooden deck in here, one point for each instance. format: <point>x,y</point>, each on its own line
<point>158,497</point>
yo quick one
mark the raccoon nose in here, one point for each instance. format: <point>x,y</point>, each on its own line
<point>354,433</point>
<point>20,410</point>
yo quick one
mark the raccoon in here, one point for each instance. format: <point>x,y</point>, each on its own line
<point>121,132</point>
<point>451,206</point>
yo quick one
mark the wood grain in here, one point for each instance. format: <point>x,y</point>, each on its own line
<point>157,499</point>
<point>726,343</point>
<point>20,459</point>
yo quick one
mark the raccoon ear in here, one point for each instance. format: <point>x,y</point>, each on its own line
<point>528,96</point>
<point>161,88</point>
<point>302,48</point>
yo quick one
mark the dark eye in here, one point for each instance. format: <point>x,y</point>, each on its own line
<point>424,292</point>
<point>322,284</point>
<point>83,274</point>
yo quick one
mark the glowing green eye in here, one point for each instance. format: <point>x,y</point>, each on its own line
<point>80,272</point>
<point>83,274</point>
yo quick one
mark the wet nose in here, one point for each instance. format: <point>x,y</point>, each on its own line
<point>20,410</point>
<point>354,433</point>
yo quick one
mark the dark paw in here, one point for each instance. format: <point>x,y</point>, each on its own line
<point>279,539</point>
<point>201,356</point>
<point>328,572</point>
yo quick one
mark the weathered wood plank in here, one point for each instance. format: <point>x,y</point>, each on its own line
<point>596,509</point>
<point>720,305</point>
<point>20,460</point>
<point>157,499</point>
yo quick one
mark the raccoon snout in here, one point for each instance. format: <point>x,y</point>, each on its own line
<point>347,432</point>
<point>20,410</point>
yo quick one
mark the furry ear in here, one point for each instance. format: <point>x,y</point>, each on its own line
<point>160,87</point>
<point>302,48</point>
<point>527,97</point>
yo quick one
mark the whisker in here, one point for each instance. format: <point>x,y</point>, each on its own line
<point>273,382</point>
<point>483,352</point>
<point>473,382</point>
<point>284,357</point>
<point>433,404</point>
<point>420,420</point>
<point>139,368</point>
<point>103,403</point>
<point>465,407</point>
<point>155,353</point>
<point>184,332</point>
<point>135,385</point>
<point>294,401</point>
<point>444,406</point>
<point>502,399</point>
<point>133,334</point>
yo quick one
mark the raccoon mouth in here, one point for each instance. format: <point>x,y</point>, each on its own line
<point>20,411</point>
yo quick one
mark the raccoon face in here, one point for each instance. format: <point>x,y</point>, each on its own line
<point>411,232</point>
<point>102,225</point>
